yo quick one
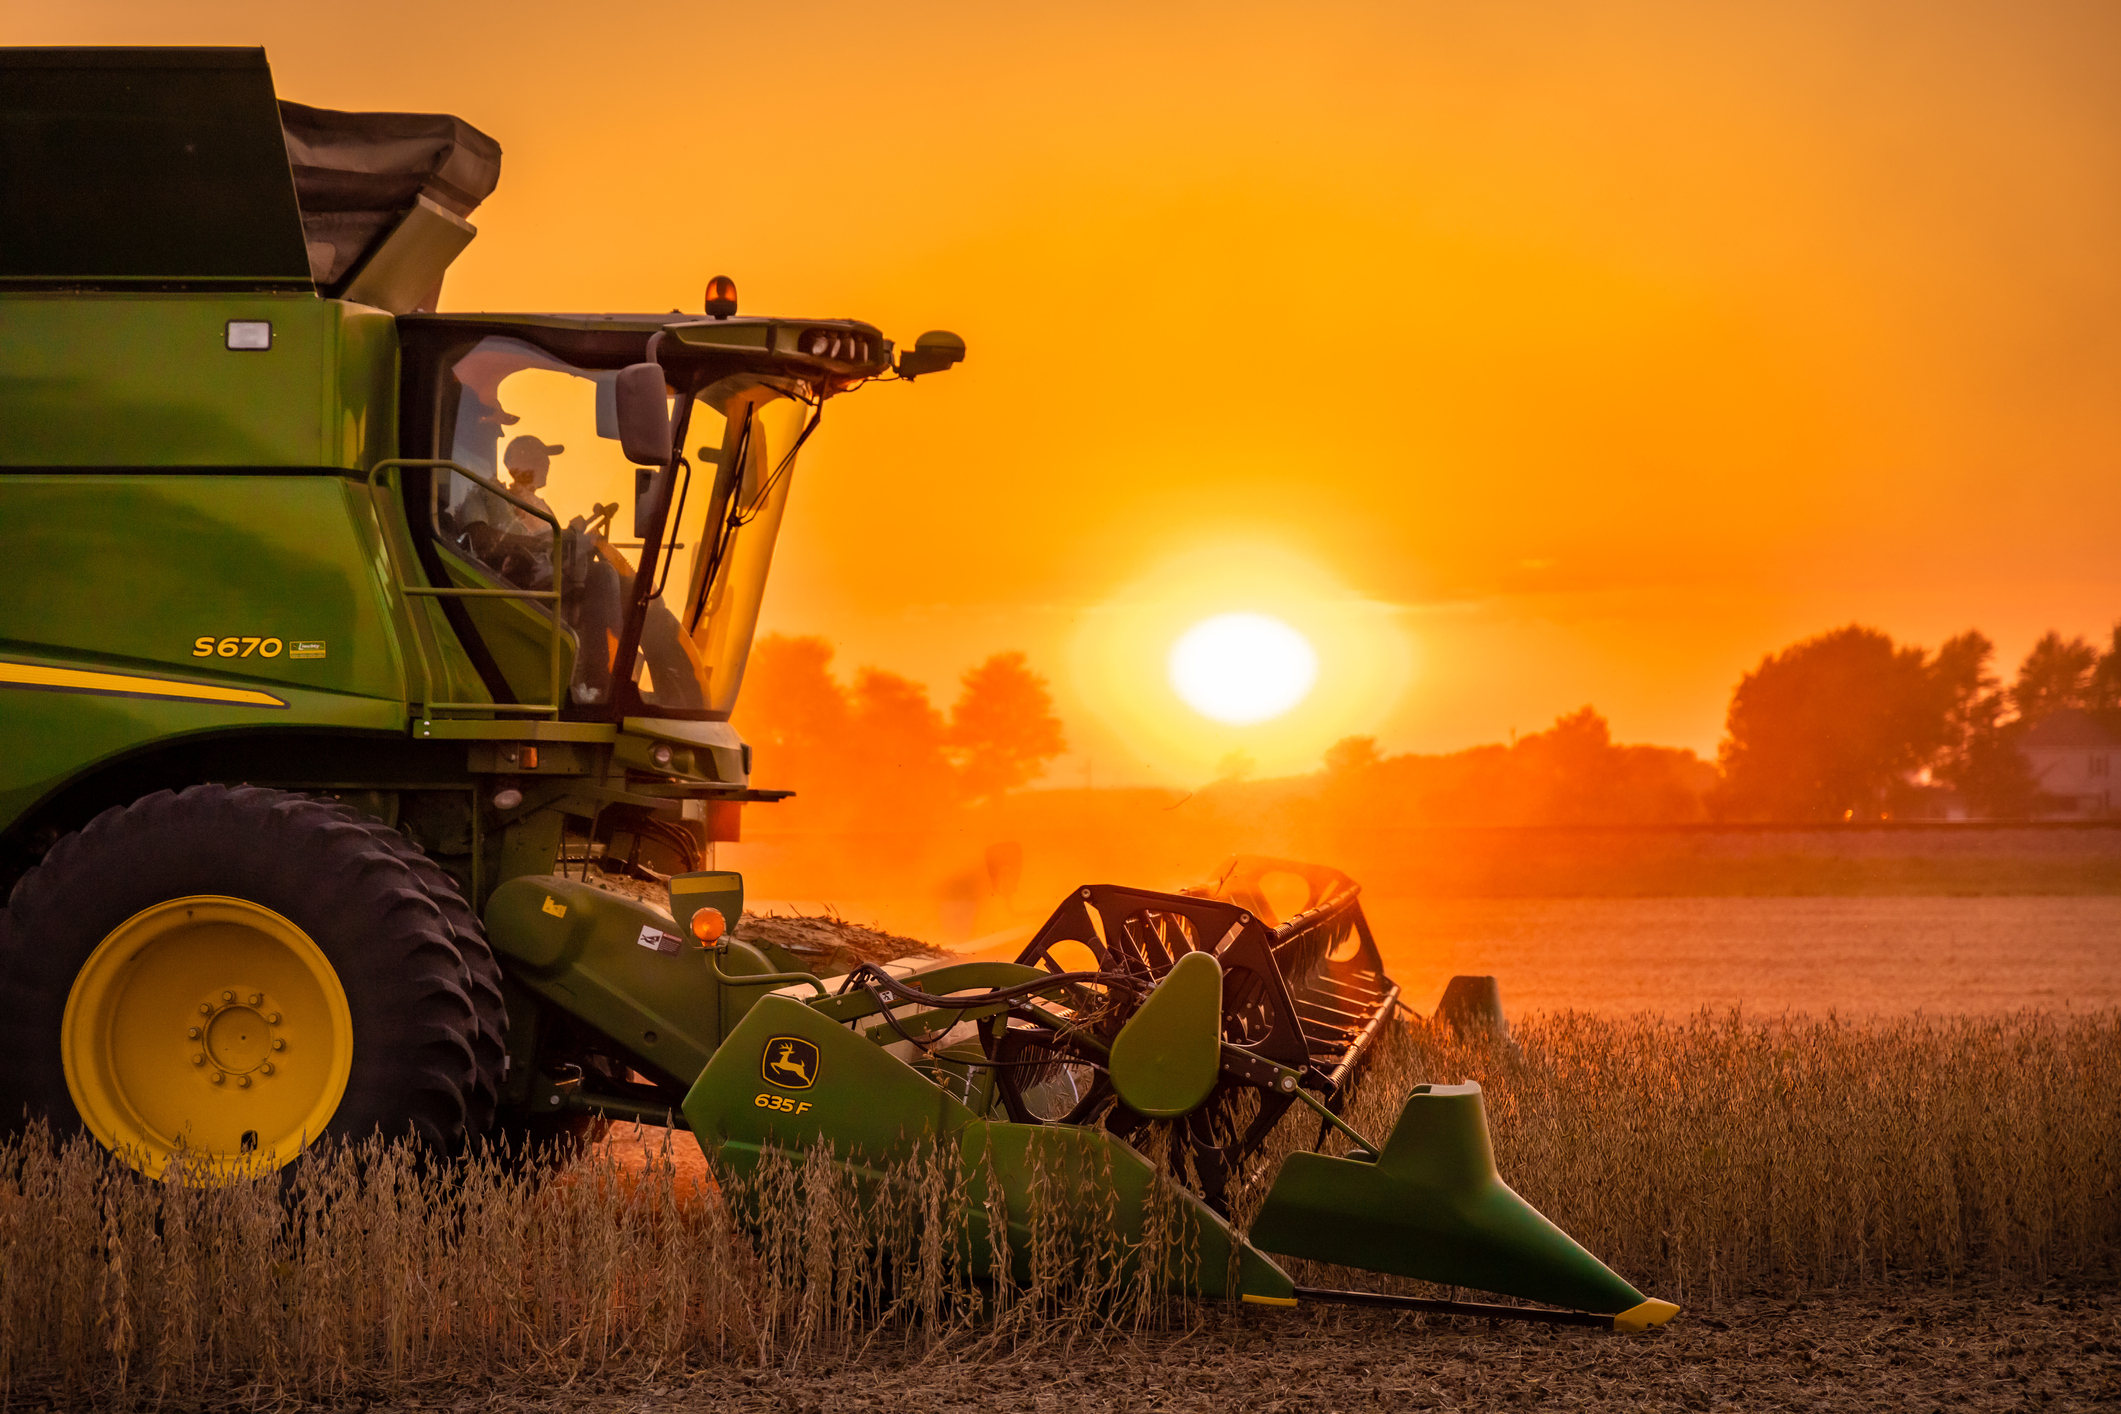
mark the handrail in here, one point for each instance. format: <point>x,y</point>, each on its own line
<point>423,591</point>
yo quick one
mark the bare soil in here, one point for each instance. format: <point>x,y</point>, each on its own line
<point>2057,1348</point>
<point>1920,1350</point>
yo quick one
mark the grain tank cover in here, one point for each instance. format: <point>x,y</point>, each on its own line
<point>359,175</point>
<point>145,169</point>
<point>177,169</point>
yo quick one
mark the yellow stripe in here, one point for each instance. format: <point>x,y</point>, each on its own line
<point>1269,1300</point>
<point>80,680</point>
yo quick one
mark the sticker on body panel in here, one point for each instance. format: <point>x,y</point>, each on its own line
<point>789,1062</point>
<point>656,940</point>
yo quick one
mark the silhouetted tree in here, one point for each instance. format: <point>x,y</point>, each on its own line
<point>1993,774</point>
<point>1003,730</point>
<point>2057,673</point>
<point>898,767</point>
<point>1828,728</point>
<point>1351,756</point>
<point>1980,758</point>
<point>1572,773</point>
<point>2104,697</point>
<point>1844,725</point>
<point>1967,690</point>
<point>878,754</point>
<point>1567,773</point>
<point>795,716</point>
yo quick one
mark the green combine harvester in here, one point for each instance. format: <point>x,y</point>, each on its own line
<point>365,679</point>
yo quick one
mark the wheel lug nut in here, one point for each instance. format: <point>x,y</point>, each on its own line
<point>228,996</point>
<point>272,1018</point>
<point>256,998</point>
<point>243,1082</point>
<point>219,1077</point>
<point>205,1008</point>
<point>265,1067</point>
<point>199,1060</point>
<point>192,1032</point>
<point>278,1044</point>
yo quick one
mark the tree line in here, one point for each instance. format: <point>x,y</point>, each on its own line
<point>1845,725</point>
<point>875,753</point>
<point>1851,726</point>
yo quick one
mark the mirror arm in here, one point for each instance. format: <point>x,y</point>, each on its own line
<point>625,691</point>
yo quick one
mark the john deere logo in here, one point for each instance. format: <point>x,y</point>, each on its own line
<point>789,1062</point>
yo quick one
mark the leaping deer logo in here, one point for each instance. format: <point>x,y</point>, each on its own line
<point>789,1062</point>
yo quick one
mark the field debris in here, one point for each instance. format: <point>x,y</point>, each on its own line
<point>827,943</point>
<point>836,944</point>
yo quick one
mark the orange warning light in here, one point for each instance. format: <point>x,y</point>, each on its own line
<point>721,297</point>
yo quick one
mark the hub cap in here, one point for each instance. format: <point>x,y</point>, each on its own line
<point>208,1024</point>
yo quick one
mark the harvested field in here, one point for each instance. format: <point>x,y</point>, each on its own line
<point>2056,1348</point>
<point>1824,1198</point>
<point>1917,1350</point>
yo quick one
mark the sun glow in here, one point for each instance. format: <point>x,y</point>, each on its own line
<point>1239,651</point>
<point>1242,668</point>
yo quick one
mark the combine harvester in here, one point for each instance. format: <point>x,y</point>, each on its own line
<point>346,639</point>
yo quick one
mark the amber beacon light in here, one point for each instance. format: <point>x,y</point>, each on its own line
<point>721,297</point>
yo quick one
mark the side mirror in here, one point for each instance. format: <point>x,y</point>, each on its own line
<point>644,414</point>
<point>932,352</point>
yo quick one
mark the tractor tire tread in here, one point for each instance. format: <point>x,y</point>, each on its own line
<point>482,973</point>
<point>390,945</point>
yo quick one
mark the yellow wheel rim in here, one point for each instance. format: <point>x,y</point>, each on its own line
<point>208,1025</point>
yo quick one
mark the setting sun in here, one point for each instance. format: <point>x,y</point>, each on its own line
<point>1242,668</point>
<point>1238,645</point>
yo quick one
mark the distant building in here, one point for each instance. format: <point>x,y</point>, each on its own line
<point>2072,759</point>
<point>1924,801</point>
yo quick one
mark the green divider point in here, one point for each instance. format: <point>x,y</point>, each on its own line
<point>1433,1207</point>
<point>1165,1060</point>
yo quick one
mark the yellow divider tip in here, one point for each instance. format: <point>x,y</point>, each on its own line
<point>1640,1318</point>
<point>1283,1300</point>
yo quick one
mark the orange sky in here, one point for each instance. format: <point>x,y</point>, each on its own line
<point>1592,349</point>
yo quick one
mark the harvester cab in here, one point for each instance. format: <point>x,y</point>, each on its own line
<point>367,684</point>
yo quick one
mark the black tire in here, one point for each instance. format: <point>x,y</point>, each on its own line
<point>482,974</point>
<point>365,909</point>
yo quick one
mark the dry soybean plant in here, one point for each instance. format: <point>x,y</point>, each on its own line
<point>1700,1158</point>
<point>365,1265</point>
<point>1726,1154</point>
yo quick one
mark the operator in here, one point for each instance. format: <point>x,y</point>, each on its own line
<point>514,542</point>
<point>529,464</point>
